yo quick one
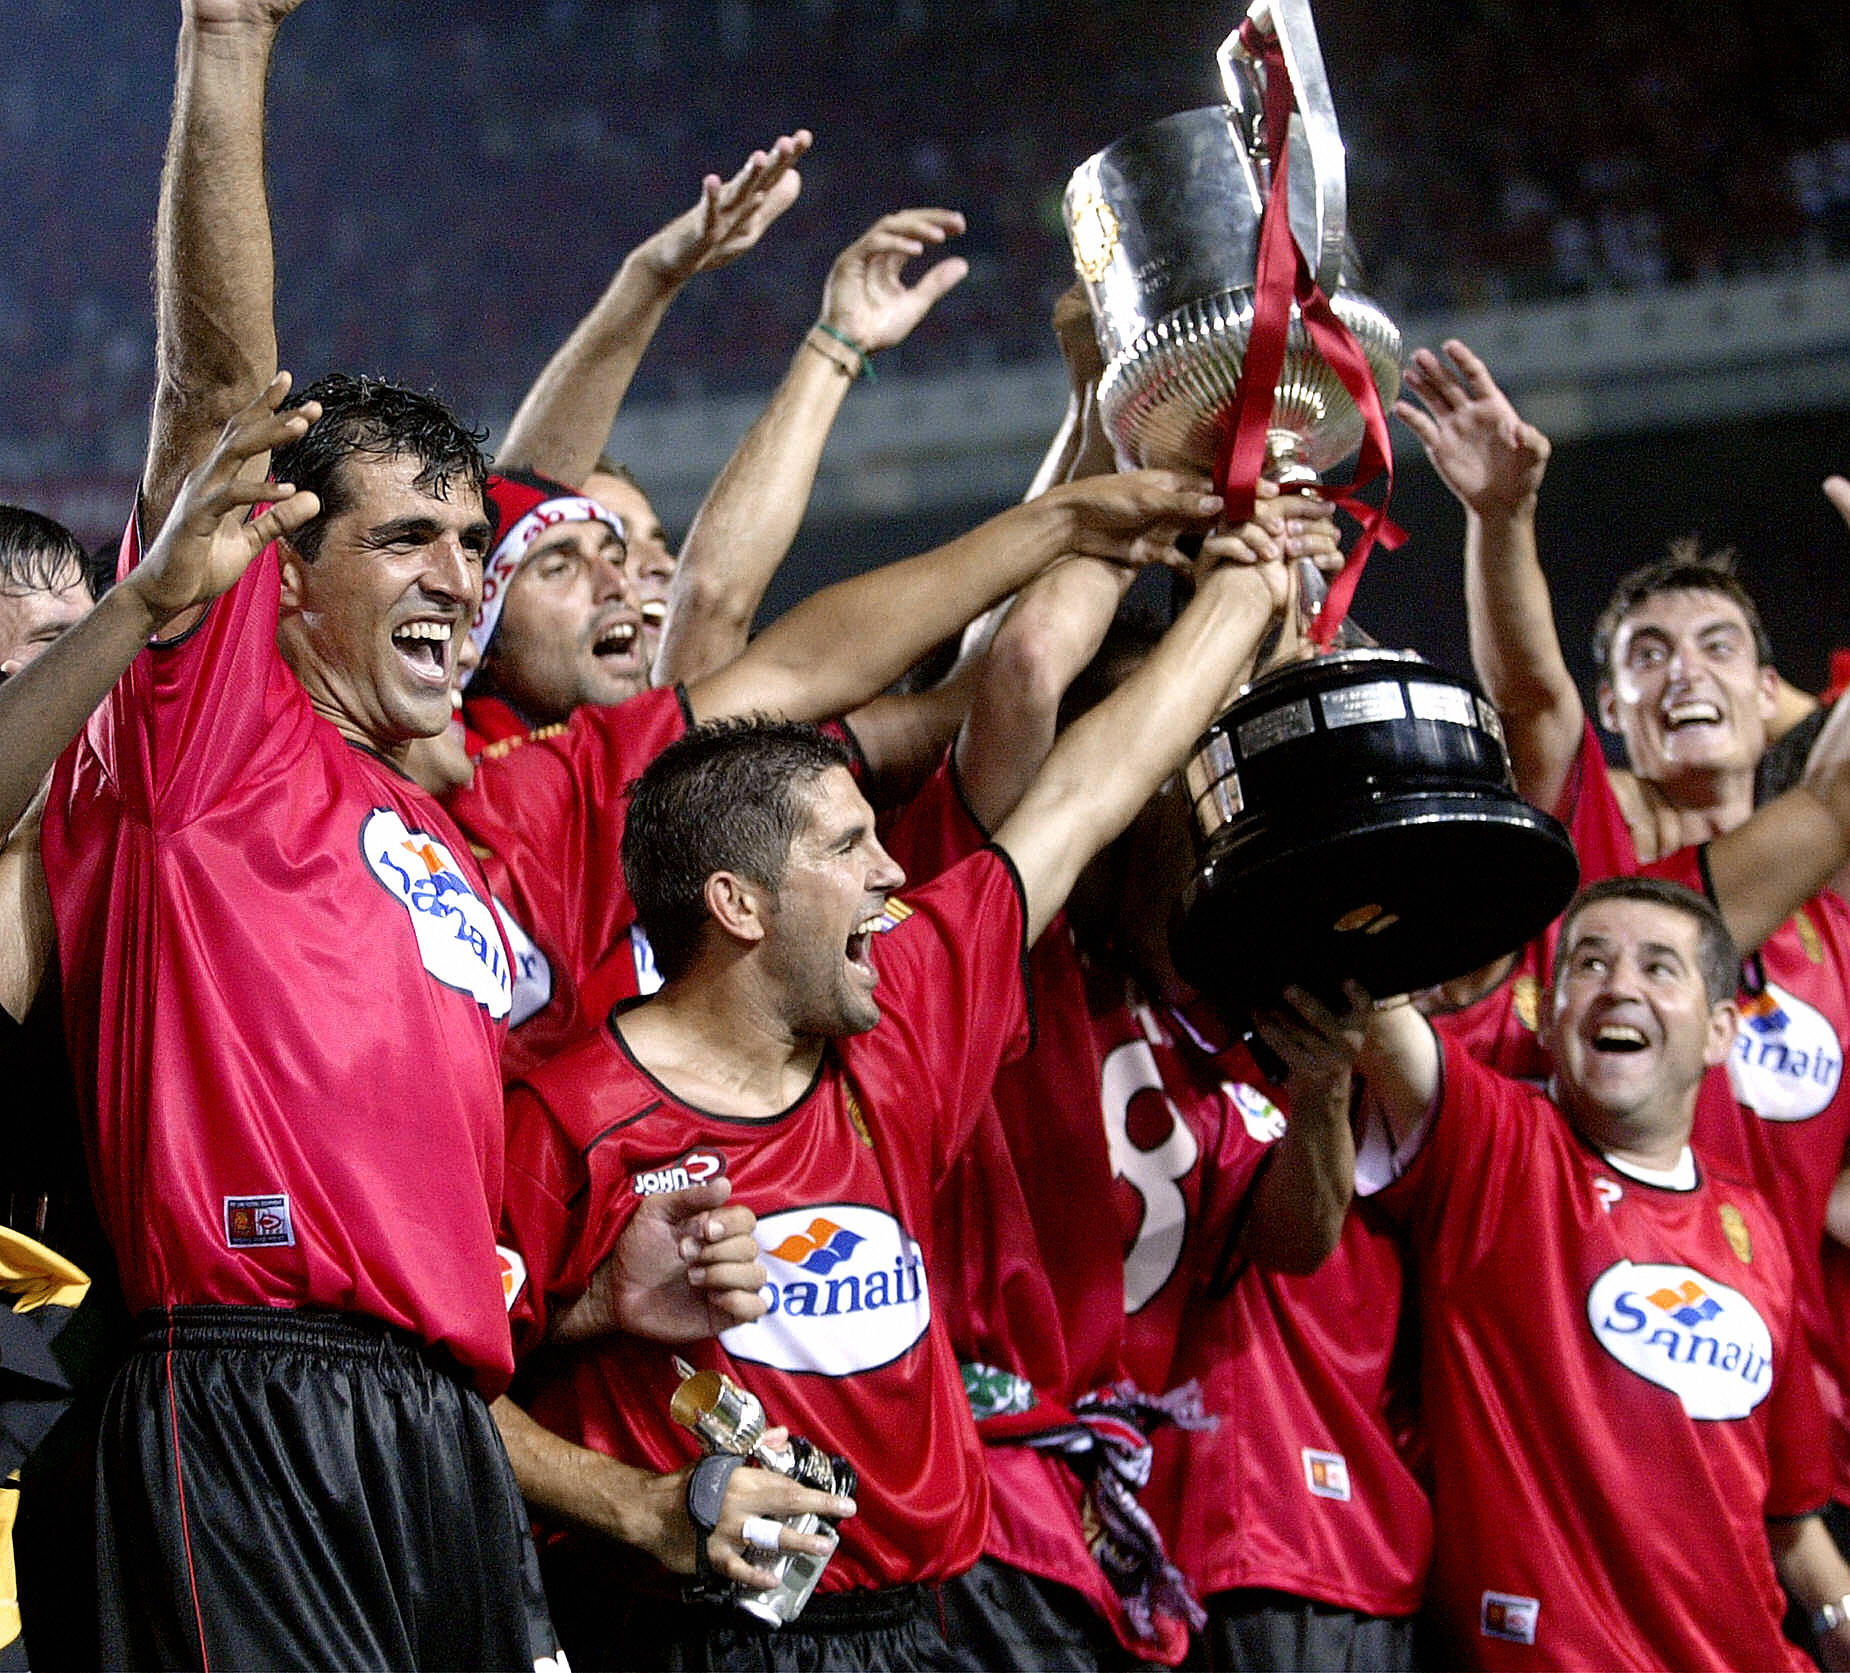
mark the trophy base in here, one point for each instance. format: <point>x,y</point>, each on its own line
<point>1400,893</point>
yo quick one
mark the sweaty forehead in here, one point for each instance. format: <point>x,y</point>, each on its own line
<point>835,804</point>
<point>1634,923</point>
<point>578,536</point>
<point>381,486</point>
<point>1683,610</point>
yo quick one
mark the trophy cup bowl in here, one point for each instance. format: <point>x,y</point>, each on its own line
<point>1164,225</point>
<point>1355,812</point>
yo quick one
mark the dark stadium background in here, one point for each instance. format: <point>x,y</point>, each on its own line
<point>454,183</point>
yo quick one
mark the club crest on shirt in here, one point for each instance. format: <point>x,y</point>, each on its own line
<point>457,937</point>
<point>847,1292</point>
<point>1687,1333</point>
<point>1787,1059</point>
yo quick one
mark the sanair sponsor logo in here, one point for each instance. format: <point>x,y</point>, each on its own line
<point>847,1292</point>
<point>695,1168</point>
<point>1787,1059</point>
<point>1687,1333</point>
<point>457,937</point>
<point>532,969</point>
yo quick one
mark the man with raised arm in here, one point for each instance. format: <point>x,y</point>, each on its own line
<point>550,808</point>
<point>828,1046</point>
<point>1686,679</point>
<point>563,422</point>
<point>284,991</point>
<point>1627,1454</point>
<point>585,638</point>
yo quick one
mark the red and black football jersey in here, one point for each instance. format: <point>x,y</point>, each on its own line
<point>853,1353</point>
<point>1614,1391</point>
<point>285,992</point>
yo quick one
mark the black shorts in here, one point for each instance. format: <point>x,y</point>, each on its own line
<point>1001,1619</point>
<point>295,1489</point>
<point>1253,1631</point>
<point>610,1628</point>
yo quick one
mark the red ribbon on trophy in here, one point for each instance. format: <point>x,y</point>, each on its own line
<point>1284,276</point>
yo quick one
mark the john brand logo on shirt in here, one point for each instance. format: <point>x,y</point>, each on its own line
<point>1787,1058</point>
<point>847,1292</point>
<point>1685,1332</point>
<point>458,939</point>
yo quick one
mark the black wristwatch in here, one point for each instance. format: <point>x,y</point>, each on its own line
<point>706,1495</point>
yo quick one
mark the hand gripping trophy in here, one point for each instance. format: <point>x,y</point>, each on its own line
<point>730,1424</point>
<point>1355,812</point>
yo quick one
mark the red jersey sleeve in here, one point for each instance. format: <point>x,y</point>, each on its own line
<point>953,997</point>
<point>935,829</point>
<point>1469,1165</point>
<point>542,1217</point>
<point>189,718</point>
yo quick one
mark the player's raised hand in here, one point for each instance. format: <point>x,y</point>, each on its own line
<point>867,298</point>
<point>1483,450</point>
<point>229,16</point>
<point>1837,491</point>
<point>732,215</point>
<point>1133,517</point>
<point>206,542</point>
<point>1282,526</point>
<point>1318,1046</point>
<point>685,1268</point>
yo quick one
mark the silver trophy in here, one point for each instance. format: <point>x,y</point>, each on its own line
<point>1165,225</point>
<point>727,1418</point>
<point>1342,803</point>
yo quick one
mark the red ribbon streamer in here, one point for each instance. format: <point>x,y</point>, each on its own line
<point>1282,277</point>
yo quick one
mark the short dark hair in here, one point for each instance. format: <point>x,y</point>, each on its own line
<point>383,421</point>
<point>607,466</point>
<point>1685,567</point>
<point>38,555</point>
<point>1715,950</point>
<point>728,796</point>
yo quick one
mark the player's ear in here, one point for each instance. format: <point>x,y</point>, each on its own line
<point>1724,1020</point>
<point>1608,708</point>
<point>740,907</point>
<point>1768,692</point>
<point>294,569</point>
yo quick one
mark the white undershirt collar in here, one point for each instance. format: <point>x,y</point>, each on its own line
<point>1681,1177</point>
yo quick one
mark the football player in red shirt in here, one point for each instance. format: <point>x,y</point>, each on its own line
<point>1625,1445</point>
<point>830,1048</point>
<point>284,993</point>
<point>1686,679</point>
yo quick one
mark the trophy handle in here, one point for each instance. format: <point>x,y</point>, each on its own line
<point>1319,178</point>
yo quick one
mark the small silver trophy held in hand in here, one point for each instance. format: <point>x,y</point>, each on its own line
<point>730,1422</point>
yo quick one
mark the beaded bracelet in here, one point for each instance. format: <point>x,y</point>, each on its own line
<point>847,342</point>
